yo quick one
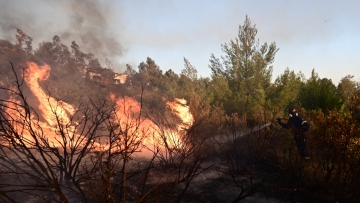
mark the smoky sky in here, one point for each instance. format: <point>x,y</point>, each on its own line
<point>87,22</point>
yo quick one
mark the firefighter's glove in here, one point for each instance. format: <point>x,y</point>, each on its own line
<point>305,126</point>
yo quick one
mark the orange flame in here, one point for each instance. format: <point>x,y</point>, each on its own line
<point>128,112</point>
<point>49,106</point>
<point>156,135</point>
<point>129,118</point>
<point>180,108</point>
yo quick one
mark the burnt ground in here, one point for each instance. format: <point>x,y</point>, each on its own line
<point>211,186</point>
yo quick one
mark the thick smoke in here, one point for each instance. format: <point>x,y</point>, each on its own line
<point>90,23</point>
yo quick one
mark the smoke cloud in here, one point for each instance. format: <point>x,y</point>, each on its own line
<point>90,23</point>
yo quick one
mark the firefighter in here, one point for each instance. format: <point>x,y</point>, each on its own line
<point>299,127</point>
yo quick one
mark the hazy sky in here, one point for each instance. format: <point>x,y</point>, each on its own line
<point>311,34</point>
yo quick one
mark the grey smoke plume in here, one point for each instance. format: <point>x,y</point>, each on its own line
<point>90,23</point>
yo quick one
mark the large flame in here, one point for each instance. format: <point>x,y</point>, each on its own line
<point>128,113</point>
<point>181,109</point>
<point>155,135</point>
<point>48,106</point>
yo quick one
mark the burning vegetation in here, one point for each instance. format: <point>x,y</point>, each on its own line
<point>65,146</point>
<point>74,131</point>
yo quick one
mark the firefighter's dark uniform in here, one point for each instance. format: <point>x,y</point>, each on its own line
<point>299,127</point>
